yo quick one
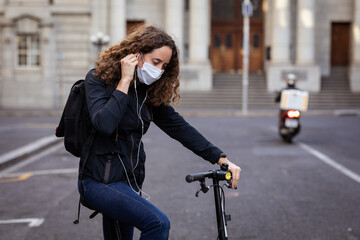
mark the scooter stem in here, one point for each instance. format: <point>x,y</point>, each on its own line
<point>220,215</point>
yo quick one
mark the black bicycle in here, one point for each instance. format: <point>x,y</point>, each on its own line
<point>223,174</point>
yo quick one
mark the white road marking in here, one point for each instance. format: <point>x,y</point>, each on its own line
<point>27,149</point>
<point>33,222</point>
<point>34,158</point>
<point>8,175</point>
<point>330,162</point>
<point>41,172</point>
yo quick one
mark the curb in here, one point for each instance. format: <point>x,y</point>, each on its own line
<point>347,112</point>
<point>261,113</point>
<point>200,112</point>
<point>23,152</point>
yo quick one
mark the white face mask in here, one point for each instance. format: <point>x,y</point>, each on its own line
<point>148,74</point>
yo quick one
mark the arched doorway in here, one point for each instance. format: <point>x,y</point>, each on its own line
<point>226,51</point>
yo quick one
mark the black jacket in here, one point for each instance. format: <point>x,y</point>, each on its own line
<point>119,130</point>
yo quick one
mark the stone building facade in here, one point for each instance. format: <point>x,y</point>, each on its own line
<point>45,44</point>
<point>321,34</point>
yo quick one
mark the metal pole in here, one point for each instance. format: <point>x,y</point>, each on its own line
<point>245,81</point>
<point>247,12</point>
<point>222,231</point>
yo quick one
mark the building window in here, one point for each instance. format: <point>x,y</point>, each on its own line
<point>217,40</point>
<point>256,41</point>
<point>228,40</point>
<point>28,47</point>
<point>222,9</point>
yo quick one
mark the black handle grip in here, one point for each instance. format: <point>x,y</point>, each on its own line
<point>198,176</point>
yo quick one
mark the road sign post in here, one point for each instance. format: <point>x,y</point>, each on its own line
<point>247,10</point>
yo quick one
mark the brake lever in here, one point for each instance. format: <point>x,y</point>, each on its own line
<point>228,184</point>
<point>203,188</point>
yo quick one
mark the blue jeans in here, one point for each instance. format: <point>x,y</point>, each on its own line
<point>118,202</point>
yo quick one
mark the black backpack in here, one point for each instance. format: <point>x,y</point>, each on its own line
<point>75,123</point>
<point>75,126</point>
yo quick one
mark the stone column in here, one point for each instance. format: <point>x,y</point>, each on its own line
<point>306,70</point>
<point>50,83</point>
<point>8,55</point>
<point>355,64</point>
<point>117,21</point>
<point>8,61</point>
<point>199,31</point>
<point>280,52</point>
<point>99,23</point>
<point>280,61</point>
<point>99,17</point>
<point>305,49</point>
<point>196,74</point>
<point>174,23</point>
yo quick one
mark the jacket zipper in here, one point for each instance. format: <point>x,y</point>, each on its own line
<point>107,170</point>
<point>117,133</point>
<point>132,150</point>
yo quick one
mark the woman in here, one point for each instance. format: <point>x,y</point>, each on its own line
<point>133,84</point>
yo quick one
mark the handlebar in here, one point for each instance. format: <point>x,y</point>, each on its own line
<point>221,174</point>
<point>198,176</point>
<point>217,174</point>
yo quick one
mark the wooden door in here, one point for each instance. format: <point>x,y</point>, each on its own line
<point>223,50</point>
<point>226,51</point>
<point>340,44</point>
<point>239,50</point>
<point>256,49</point>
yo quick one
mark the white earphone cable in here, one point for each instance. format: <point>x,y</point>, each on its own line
<point>138,112</point>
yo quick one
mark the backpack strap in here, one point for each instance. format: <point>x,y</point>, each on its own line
<point>78,213</point>
<point>90,142</point>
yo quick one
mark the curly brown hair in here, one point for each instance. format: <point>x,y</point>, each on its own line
<point>143,39</point>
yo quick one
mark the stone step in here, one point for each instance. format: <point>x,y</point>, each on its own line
<point>227,93</point>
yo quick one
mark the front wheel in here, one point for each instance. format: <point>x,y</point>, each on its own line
<point>287,139</point>
<point>287,134</point>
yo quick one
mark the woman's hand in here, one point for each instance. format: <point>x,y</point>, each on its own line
<point>128,65</point>
<point>234,169</point>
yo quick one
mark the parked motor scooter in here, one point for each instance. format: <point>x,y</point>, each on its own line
<point>289,124</point>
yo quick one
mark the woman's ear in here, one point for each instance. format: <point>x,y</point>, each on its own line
<point>140,59</point>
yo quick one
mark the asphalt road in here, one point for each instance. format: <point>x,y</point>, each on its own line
<point>306,190</point>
